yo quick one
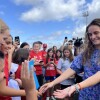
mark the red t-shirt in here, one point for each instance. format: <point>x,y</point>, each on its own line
<point>44,53</point>
<point>18,72</point>
<point>50,70</point>
<point>6,71</point>
<point>38,57</point>
<point>56,62</point>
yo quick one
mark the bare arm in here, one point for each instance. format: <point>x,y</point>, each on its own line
<point>7,91</point>
<point>91,80</point>
<point>31,95</point>
<point>86,83</point>
<point>65,75</point>
<point>70,90</point>
<point>59,71</point>
<point>62,47</point>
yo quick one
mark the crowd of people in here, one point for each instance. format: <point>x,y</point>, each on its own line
<point>71,72</point>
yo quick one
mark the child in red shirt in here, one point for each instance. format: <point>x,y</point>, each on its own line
<point>50,66</point>
<point>37,55</point>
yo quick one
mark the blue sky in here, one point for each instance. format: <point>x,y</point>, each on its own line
<point>47,20</point>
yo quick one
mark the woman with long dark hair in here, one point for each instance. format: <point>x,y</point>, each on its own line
<point>88,61</point>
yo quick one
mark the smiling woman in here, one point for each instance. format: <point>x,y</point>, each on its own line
<point>87,62</point>
<point>92,40</point>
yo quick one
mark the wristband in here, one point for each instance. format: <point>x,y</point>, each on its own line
<point>79,86</point>
<point>76,87</point>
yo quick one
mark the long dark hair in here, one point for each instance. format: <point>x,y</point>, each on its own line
<point>89,47</point>
<point>20,56</point>
<point>23,44</point>
<point>47,58</point>
<point>58,50</point>
<point>71,57</point>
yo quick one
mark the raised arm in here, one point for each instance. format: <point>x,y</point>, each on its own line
<point>28,82</point>
<point>7,91</point>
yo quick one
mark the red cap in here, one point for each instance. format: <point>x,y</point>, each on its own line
<point>44,45</point>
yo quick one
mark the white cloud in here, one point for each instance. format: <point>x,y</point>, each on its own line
<point>47,10</point>
<point>55,38</point>
<point>93,9</point>
<point>48,37</point>
<point>79,31</point>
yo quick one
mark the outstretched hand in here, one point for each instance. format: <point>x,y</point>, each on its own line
<point>72,90</point>
<point>67,92</point>
<point>45,87</point>
<point>61,94</point>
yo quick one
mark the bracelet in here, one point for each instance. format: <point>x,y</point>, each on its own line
<point>76,87</point>
<point>79,86</point>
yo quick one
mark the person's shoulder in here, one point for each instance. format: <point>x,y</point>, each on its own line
<point>96,51</point>
<point>78,56</point>
<point>32,52</point>
<point>61,59</point>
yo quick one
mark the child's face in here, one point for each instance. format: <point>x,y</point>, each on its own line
<point>1,70</point>
<point>36,47</point>
<point>67,53</point>
<point>50,53</point>
<point>58,54</point>
<point>3,46</point>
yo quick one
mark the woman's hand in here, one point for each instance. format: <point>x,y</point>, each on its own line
<point>45,87</point>
<point>11,50</point>
<point>61,94</point>
<point>72,90</point>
